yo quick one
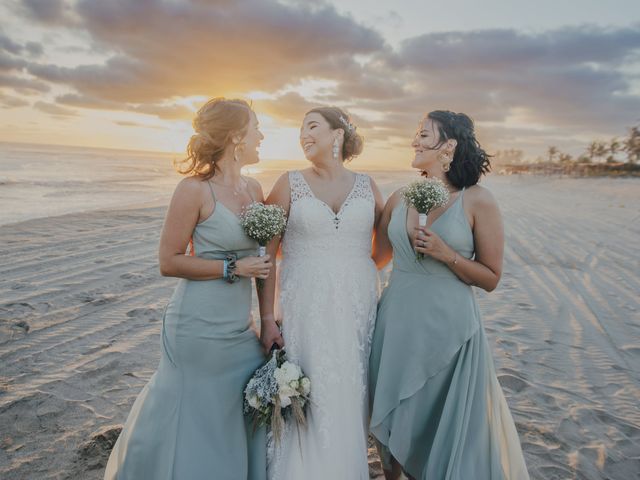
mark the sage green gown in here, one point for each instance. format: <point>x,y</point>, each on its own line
<point>437,406</point>
<point>187,423</point>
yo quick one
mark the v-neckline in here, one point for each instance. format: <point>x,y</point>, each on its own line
<point>344,202</point>
<point>406,218</point>
<point>218,202</point>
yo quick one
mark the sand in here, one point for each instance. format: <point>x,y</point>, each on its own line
<point>81,301</point>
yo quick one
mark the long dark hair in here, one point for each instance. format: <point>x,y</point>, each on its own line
<point>470,161</point>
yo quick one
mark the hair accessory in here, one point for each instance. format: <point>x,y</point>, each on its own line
<point>347,124</point>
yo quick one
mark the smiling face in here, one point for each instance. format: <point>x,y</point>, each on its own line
<point>317,136</point>
<point>251,142</point>
<point>429,147</point>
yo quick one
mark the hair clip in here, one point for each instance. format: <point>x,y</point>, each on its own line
<point>349,126</point>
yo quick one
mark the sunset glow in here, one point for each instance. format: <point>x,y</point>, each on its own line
<point>130,74</point>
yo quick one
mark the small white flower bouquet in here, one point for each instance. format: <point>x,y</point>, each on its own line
<point>263,222</point>
<point>278,390</point>
<point>424,196</point>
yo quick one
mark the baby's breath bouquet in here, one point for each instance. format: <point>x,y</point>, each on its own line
<point>277,391</point>
<point>424,196</point>
<point>261,223</point>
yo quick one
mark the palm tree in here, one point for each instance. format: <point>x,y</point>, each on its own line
<point>614,148</point>
<point>632,145</point>
<point>601,149</point>
<point>552,152</point>
<point>592,149</point>
<point>565,158</point>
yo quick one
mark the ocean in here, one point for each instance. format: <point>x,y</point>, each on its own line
<point>39,181</point>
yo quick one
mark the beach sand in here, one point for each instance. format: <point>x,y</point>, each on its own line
<point>81,301</point>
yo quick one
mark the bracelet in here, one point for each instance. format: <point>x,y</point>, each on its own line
<point>225,266</point>
<point>231,269</point>
<point>455,259</point>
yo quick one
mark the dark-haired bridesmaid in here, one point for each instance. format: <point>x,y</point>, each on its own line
<point>438,411</point>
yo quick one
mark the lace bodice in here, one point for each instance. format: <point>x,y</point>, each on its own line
<point>314,227</point>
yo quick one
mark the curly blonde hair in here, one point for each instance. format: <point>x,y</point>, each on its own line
<point>215,124</point>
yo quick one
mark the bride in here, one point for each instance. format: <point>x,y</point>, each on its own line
<point>327,297</point>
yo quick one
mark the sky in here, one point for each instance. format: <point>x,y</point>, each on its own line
<point>131,73</point>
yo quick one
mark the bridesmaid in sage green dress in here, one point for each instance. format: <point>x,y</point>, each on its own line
<point>187,423</point>
<point>438,412</point>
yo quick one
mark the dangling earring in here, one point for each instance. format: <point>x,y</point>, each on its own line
<point>235,153</point>
<point>445,160</point>
<point>336,149</point>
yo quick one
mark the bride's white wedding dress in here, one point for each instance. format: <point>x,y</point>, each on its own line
<point>327,304</point>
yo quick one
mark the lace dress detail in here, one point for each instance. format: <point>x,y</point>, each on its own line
<point>327,304</point>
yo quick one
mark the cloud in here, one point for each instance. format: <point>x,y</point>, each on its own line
<point>222,48</point>
<point>125,123</point>
<point>567,81</point>
<point>34,49</point>
<point>163,111</point>
<point>570,78</point>
<point>289,108</point>
<point>9,45</point>
<point>53,109</point>
<point>24,85</point>
<point>9,63</point>
<point>12,102</point>
<point>53,12</point>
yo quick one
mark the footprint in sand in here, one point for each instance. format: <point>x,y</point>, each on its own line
<point>17,310</point>
<point>23,325</point>
<point>98,299</point>
<point>94,453</point>
<point>149,314</point>
<point>137,277</point>
<point>20,285</point>
<point>513,383</point>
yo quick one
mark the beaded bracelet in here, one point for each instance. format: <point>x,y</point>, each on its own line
<point>231,276</point>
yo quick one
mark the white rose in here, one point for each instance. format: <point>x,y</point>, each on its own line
<point>305,383</point>
<point>286,390</point>
<point>254,402</point>
<point>291,370</point>
<point>294,384</point>
<point>285,401</point>
<point>281,377</point>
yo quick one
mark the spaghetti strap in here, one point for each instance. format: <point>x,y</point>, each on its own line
<point>213,194</point>
<point>249,192</point>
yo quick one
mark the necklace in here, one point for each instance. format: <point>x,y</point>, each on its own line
<point>235,190</point>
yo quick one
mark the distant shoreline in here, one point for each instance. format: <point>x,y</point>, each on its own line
<point>614,170</point>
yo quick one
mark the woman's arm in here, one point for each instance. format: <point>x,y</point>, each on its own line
<point>181,219</point>
<point>270,333</point>
<point>382,249</point>
<point>379,203</point>
<point>485,269</point>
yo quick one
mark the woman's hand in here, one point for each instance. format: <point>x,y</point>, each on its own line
<point>257,267</point>
<point>429,243</point>
<point>270,334</point>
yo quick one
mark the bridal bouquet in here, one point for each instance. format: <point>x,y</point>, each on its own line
<point>277,391</point>
<point>261,223</point>
<point>424,196</point>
